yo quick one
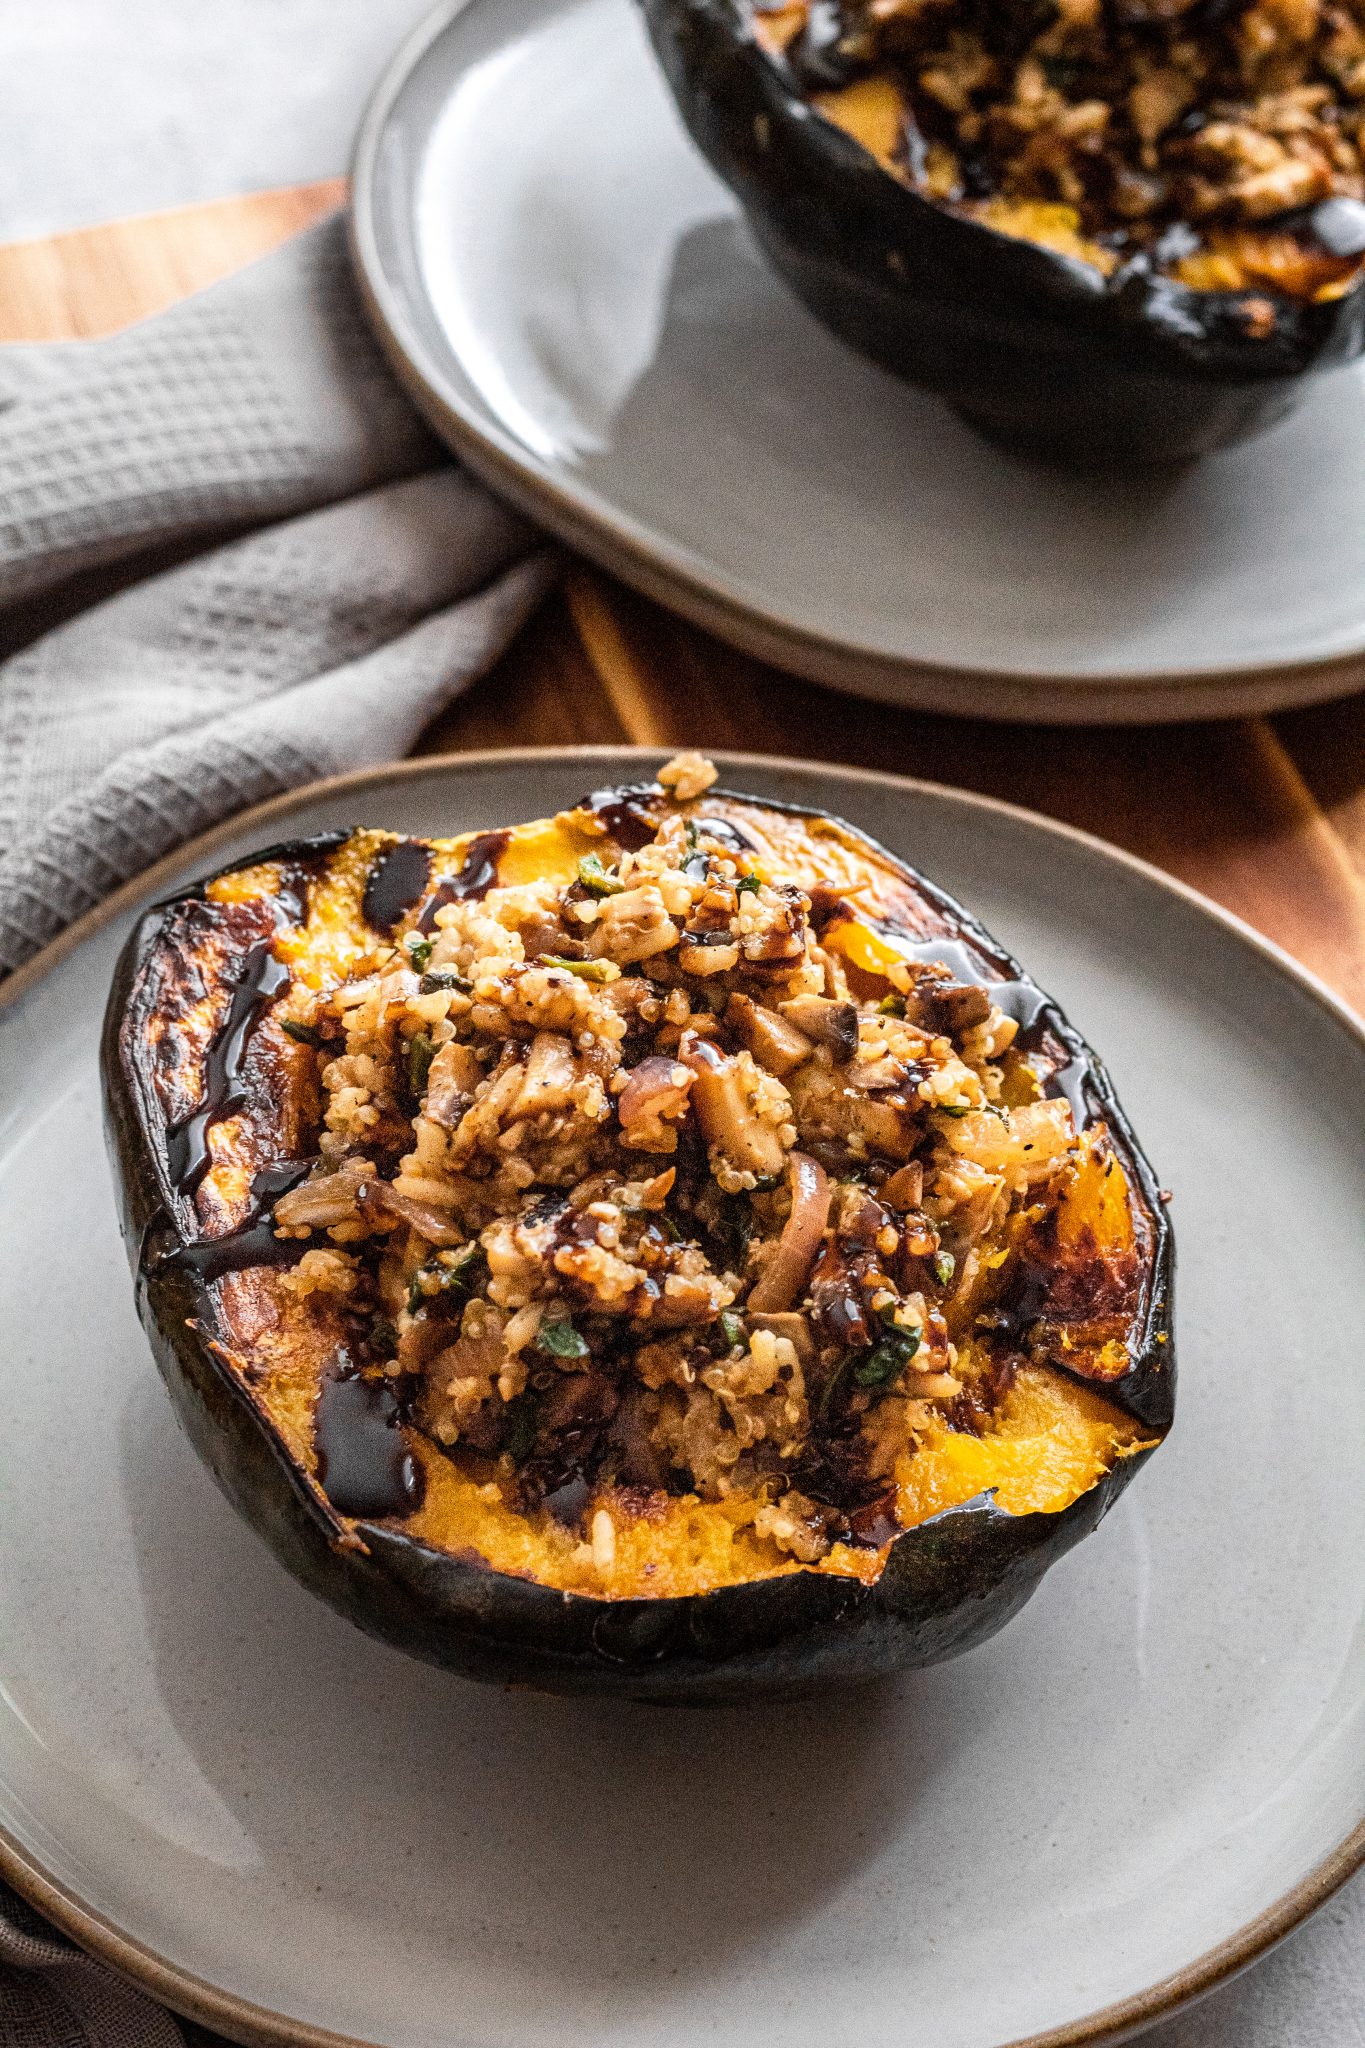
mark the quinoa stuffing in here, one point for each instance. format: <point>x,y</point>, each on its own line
<point>658,1180</point>
<point>1221,142</point>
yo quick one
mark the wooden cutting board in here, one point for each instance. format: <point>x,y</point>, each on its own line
<point>1265,815</point>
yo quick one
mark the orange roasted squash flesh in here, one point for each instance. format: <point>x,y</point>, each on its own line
<point>1045,1442</point>
<point>1034,1375</point>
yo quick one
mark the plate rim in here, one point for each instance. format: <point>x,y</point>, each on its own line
<point>243,2020</point>
<point>620,543</point>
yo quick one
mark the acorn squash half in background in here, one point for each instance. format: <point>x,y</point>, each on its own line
<point>667,1250</point>
<point>1052,338</point>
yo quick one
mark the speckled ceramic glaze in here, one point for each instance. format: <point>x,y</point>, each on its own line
<point>1157,1767</point>
<point>569,293</point>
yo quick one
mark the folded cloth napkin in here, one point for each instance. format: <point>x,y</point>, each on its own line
<point>319,642</point>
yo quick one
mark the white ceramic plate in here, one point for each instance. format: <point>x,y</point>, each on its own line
<point>284,1826</point>
<point>571,297</point>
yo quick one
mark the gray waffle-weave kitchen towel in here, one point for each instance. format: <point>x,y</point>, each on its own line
<point>316,643</point>
<point>53,1996</point>
<point>263,396</point>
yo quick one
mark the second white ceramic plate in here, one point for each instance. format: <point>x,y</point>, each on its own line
<point>572,298</point>
<point>1152,1772</point>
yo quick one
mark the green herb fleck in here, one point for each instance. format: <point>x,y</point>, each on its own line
<point>690,830</point>
<point>945,1265</point>
<point>463,1275</point>
<point>421,1053</point>
<point>956,1110</point>
<point>884,1361</point>
<point>383,1337</point>
<point>302,1034</point>
<point>732,1328</point>
<point>881,1364</point>
<point>891,1006</point>
<point>441,978</point>
<point>596,879</point>
<point>560,1339</point>
<point>586,970</point>
<point>749,884</point>
<point>419,951</point>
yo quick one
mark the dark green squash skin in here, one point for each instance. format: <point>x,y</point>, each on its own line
<point>1036,349</point>
<point>948,1584</point>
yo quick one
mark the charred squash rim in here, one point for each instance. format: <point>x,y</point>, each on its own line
<point>1167,321</point>
<point>200,2000</point>
<point>1036,349</point>
<point>1225,298</point>
<point>947,1582</point>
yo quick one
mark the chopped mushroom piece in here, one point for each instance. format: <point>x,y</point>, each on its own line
<point>774,1041</point>
<point>742,1111</point>
<point>452,1080</point>
<point>831,1024</point>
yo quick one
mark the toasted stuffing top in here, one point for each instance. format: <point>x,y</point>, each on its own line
<point>634,1180</point>
<point>1221,140</point>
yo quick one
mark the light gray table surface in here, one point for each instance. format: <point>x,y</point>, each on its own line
<point>110,107</point>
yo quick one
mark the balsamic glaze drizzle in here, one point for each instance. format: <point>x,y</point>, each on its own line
<point>726,834</point>
<point>630,814</point>
<point>291,890</point>
<point>364,1464</point>
<point>478,874</point>
<point>273,1181</point>
<point>253,1242</point>
<point>187,1150</point>
<point>395,883</point>
<point>1036,1015</point>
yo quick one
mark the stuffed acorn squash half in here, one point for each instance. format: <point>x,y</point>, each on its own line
<point>1105,230</point>
<point>667,1249</point>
